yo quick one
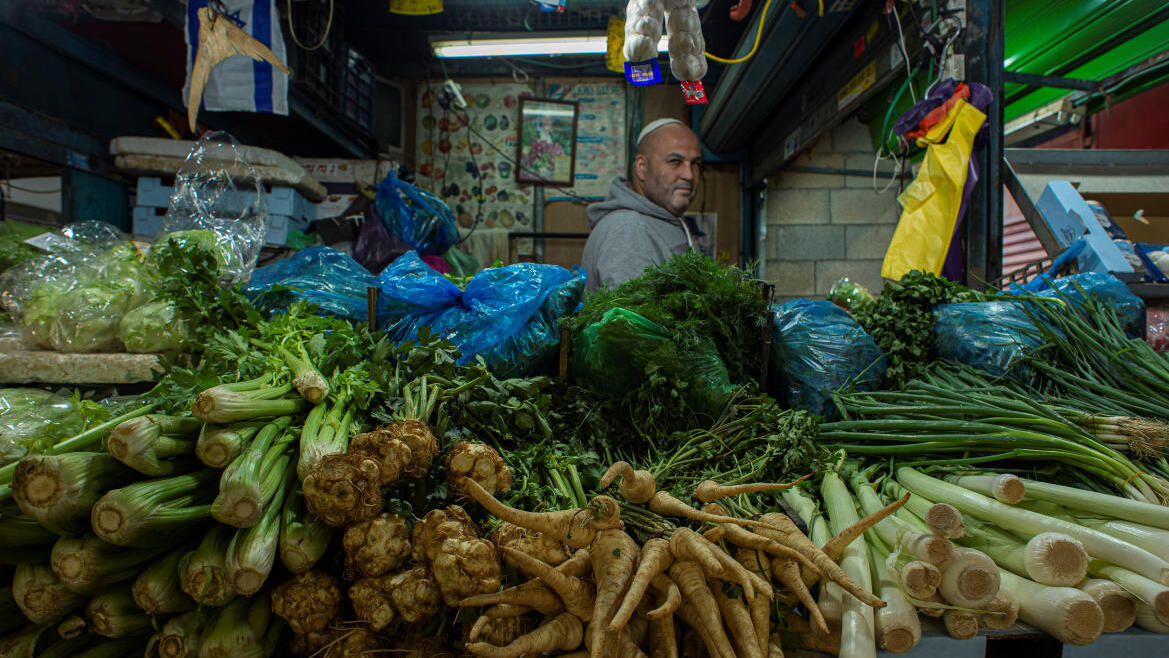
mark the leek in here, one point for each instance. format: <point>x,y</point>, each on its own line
<point>304,538</point>
<point>1117,604</point>
<point>202,572</point>
<point>969,578</point>
<point>156,445</point>
<point>253,478</point>
<point>252,551</point>
<point>180,635</point>
<point>238,631</point>
<point>86,564</point>
<point>857,619</point>
<point>960,624</point>
<point>938,518</point>
<point>1048,558</point>
<point>157,590</point>
<point>58,490</point>
<point>897,626</point>
<point>897,533</point>
<point>150,513</point>
<point>1152,594</point>
<point>1002,611</point>
<point>1005,488</point>
<point>1148,620</point>
<point>219,445</point>
<point>1065,613</point>
<point>1104,504</point>
<point>830,600</point>
<point>114,614</point>
<point>231,403</point>
<point>1029,524</point>
<point>41,596</point>
<point>1153,540</point>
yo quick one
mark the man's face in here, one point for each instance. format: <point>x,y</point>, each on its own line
<point>668,170</point>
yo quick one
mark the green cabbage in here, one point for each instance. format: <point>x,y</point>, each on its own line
<point>153,327</point>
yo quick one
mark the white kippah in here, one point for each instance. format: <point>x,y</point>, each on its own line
<point>654,125</point>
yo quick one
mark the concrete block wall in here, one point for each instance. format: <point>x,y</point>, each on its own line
<point>821,227</point>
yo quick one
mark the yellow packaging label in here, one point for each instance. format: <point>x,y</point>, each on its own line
<point>416,7</point>
<point>614,51</point>
<point>867,77</point>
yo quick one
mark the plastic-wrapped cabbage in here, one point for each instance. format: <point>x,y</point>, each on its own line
<point>204,240</point>
<point>88,319</point>
<point>153,327</point>
<point>31,420</point>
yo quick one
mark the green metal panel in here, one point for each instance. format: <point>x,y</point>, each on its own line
<point>1044,36</point>
<point>92,197</point>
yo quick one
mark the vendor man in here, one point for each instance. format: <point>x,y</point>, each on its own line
<point>640,224</point>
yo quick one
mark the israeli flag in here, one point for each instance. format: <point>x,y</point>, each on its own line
<point>240,83</point>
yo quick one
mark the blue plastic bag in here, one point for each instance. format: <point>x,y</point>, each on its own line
<point>417,216</point>
<point>1130,309</point>
<point>506,315</point>
<point>817,348</point>
<point>323,276</point>
<point>991,336</point>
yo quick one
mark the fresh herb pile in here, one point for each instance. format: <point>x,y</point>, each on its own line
<point>695,298</point>
<point>902,321</point>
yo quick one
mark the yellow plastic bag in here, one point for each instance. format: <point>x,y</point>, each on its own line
<point>931,202</point>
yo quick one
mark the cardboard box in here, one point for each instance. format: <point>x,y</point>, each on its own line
<point>1154,208</point>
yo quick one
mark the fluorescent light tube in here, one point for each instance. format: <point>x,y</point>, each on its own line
<point>530,46</point>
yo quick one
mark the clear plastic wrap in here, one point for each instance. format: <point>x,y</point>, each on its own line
<point>1130,310</point>
<point>73,298</point>
<point>1157,331</point>
<point>849,295</point>
<point>218,192</point>
<point>817,348</point>
<point>32,419</point>
<point>153,327</point>
<point>614,353</point>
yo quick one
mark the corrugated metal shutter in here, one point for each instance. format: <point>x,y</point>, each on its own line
<point>1020,245</point>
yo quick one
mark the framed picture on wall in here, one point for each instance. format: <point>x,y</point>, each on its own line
<point>546,149</point>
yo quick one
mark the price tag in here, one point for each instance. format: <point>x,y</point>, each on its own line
<point>643,74</point>
<point>416,7</point>
<point>556,6</point>
<point>694,93</point>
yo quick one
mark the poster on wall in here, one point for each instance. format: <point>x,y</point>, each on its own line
<point>600,135</point>
<point>547,148</point>
<point>468,157</point>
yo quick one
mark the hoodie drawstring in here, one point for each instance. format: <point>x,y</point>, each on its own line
<point>689,240</point>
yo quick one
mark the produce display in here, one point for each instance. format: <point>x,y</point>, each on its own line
<point>304,486</point>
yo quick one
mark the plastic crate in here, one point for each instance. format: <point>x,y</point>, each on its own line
<point>317,72</point>
<point>147,221</point>
<point>281,200</point>
<point>357,82</point>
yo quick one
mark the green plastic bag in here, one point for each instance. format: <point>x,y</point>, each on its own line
<point>613,354</point>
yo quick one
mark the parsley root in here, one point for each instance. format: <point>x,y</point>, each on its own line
<point>636,486</point>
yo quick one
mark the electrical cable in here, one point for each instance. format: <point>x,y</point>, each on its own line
<point>904,53</point>
<point>478,178</point>
<point>28,190</point>
<point>292,30</point>
<point>758,37</point>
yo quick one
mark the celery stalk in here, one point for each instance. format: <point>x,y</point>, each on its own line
<point>146,514</point>
<point>252,551</point>
<point>114,614</point>
<point>86,564</point>
<point>253,478</point>
<point>157,590</point>
<point>304,538</point>
<point>59,490</point>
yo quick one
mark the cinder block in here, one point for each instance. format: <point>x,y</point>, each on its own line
<point>792,279</point>
<point>809,242</point>
<point>864,162</point>
<point>797,206</point>
<point>787,179</point>
<point>865,272</point>
<point>771,246</point>
<point>852,136</point>
<point>859,206</point>
<point>867,241</point>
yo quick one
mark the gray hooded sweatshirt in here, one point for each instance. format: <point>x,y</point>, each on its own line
<point>629,234</point>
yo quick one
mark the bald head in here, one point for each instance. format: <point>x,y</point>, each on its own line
<point>667,166</point>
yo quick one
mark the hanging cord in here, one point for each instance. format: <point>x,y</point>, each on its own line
<point>758,36</point>
<point>292,30</point>
<point>904,53</point>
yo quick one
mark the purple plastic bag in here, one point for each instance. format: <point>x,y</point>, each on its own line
<point>376,247</point>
